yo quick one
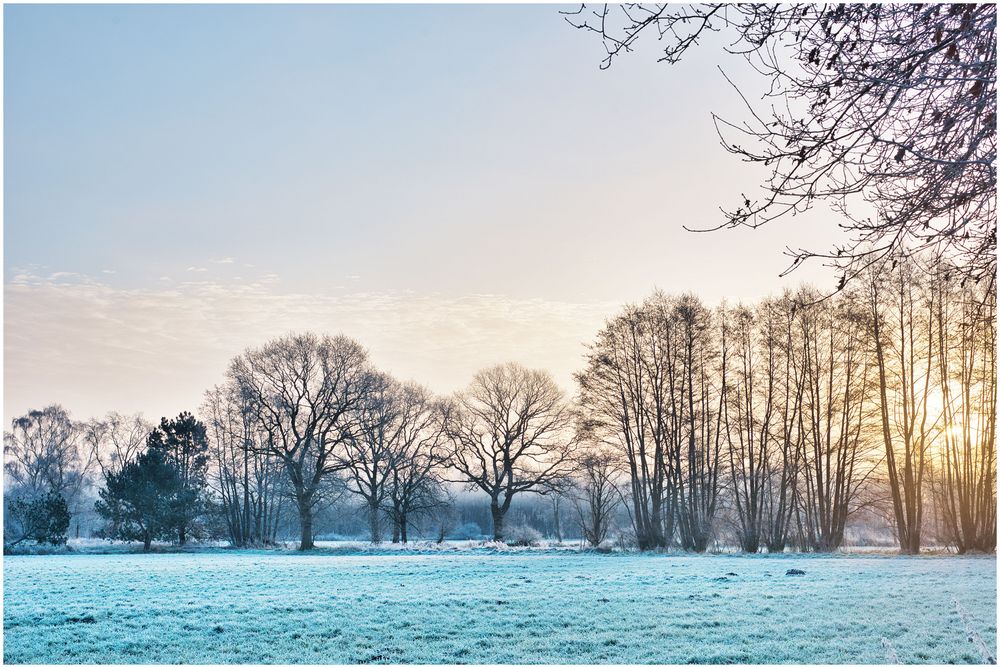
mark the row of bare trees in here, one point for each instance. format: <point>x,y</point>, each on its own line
<point>797,412</point>
<point>307,418</point>
<point>935,350</point>
<point>772,423</point>
<point>297,424</point>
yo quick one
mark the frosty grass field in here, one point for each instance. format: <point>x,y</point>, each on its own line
<point>477,606</point>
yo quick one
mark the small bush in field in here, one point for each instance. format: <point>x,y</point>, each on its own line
<point>523,536</point>
<point>40,518</point>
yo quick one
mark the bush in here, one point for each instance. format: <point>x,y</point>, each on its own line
<point>43,519</point>
<point>522,536</point>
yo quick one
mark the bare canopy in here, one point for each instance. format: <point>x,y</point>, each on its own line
<point>892,105</point>
<point>510,433</point>
<point>305,388</point>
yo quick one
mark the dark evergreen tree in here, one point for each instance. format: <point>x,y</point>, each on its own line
<point>184,444</point>
<point>143,500</point>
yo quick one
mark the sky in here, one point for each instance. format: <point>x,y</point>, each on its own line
<point>453,186</point>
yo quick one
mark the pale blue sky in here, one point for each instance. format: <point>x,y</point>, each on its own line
<point>374,156</point>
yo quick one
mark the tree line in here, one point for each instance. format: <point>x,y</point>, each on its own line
<point>798,412</point>
<point>768,425</point>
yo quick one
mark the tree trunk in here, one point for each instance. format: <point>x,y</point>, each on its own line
<point>182,535</point>
<point>395,531</point>
<point>911,545</point>
<point>306,522</point>
<point>498,514</point>
<point>374,523</point>
<point>147,540</point>
<point>555,519</point>
<point>402,528</point>
<point>654,535</point>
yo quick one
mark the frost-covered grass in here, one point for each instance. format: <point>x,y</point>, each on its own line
<point>481,606</point>
<point>343,547</point>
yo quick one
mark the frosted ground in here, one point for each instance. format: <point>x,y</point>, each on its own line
<point>479,606</point>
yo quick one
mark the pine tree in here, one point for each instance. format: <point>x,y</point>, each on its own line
<point>142,501</point>
<point>184,443</point>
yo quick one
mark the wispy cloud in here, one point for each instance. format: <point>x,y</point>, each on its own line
<point>94,347</point>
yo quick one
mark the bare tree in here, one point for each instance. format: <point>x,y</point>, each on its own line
<point>625,399</point>
<point>367,455</point>
<point>748,415</point>
<point>556,503</point>
<point>116,439</point>
<point>965,321</point>
<point>248,482</point>
<point>697,396</point>
<point>904,351</point>
<point>306,388</point>
<point>42,451</point>
<point>784,462</point>
<point>415,486</point>
<point>510,434</point>
<point>595,494</point>
<point>888,106</point>
<point>44,454</point>
<point>837,458</point>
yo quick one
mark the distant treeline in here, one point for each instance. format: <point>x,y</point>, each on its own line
<point>773,426</point>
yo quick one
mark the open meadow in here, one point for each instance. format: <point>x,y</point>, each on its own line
<point>482,606</point>
<point>344,333</point>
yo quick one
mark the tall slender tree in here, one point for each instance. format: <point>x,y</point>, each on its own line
<point>249,483</point>
<point>965,329</point>
<point>699,387</point>
<point>836,457</point>
<point>904,352</point>
<point>625,398</point>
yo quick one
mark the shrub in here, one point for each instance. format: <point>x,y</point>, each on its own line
<point>43,519</point>
<point>523,536</point>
